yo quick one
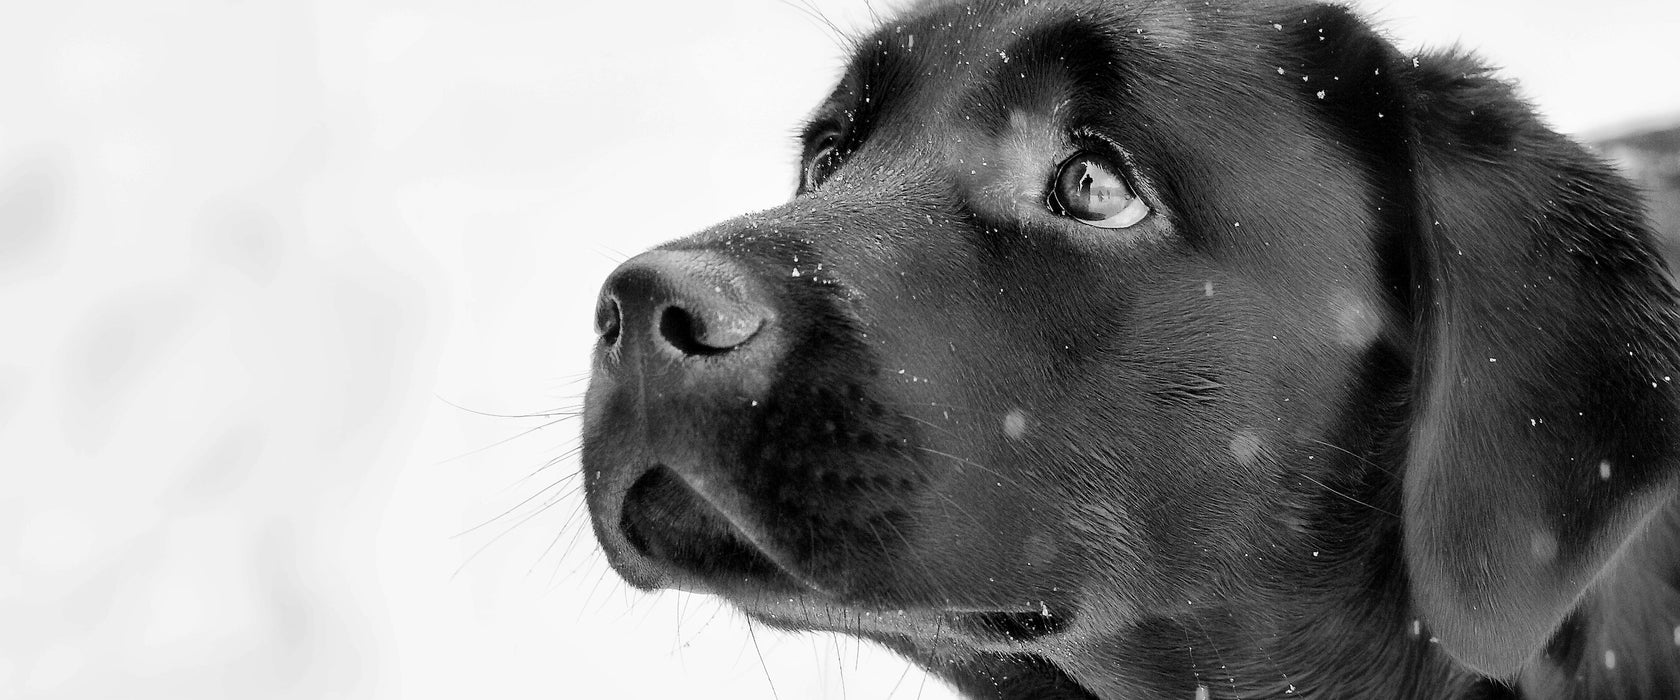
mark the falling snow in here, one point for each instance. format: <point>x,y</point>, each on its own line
<point>1015,424</point>
<point>1356,324</point>
<point>1245,446</point>
<point>1543,546</point>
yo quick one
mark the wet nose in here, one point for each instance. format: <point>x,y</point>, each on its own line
<point>680,303</point>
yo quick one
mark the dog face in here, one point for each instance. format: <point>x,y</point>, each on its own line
<point>1144,350</point>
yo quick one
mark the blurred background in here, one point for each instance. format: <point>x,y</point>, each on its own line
<point>295,307</point>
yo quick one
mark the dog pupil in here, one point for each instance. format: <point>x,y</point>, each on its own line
<point>1096,193</point>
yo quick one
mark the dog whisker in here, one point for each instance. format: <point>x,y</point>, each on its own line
<point>970,463</point>
<point>500,442</point>
<point>505,531</point>
<point>752,633</point>
<point>1350,499</point>
<point>842,39</point>
<point>557,413</point>
<point>935,426</point>
<point>1355,456</point>
<point>570,524</point>
<point>521,504</point>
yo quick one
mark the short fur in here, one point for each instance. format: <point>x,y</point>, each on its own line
<point>1378,402</point>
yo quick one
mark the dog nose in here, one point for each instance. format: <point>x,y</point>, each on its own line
<point>689,348</point>
<point>680,303</point>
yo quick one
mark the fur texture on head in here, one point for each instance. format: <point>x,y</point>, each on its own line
<point>1159,349</point>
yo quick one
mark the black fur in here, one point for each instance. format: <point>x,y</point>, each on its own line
<point>1378,401</point>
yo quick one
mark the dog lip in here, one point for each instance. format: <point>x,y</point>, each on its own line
<point>1011,625</point>
<point>1003,629</point>
<point>662,508</point>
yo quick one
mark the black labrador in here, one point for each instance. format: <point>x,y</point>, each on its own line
<point>1160,349</point>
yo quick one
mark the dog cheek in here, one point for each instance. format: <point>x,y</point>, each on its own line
<point>1041,551</point>
<point>1101,548</point>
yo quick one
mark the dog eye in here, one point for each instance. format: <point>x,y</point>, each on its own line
<point>1089,188</point>
<point>825,159</point>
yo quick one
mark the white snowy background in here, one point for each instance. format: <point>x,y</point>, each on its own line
<point>264,265</point>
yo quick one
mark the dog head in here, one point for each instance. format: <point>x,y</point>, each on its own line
<point>1093,325</point>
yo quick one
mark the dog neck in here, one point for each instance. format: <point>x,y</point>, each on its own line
<point>1267,625</point>
<point>1620,642</point>
<point>1253,641</point>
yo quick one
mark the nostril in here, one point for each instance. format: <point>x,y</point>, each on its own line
<point>678,328</point>
<point>689,303</point>
<point>706,334</point>
<point>608,320</point>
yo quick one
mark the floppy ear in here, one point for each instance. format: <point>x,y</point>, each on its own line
<point>1546,363</point>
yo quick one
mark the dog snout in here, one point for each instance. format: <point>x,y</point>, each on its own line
<point>680,304</point>
<point>688,349</point>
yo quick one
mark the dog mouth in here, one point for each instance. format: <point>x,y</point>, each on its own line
<point>1004,630</point>
<point>1010,626</point>
<point>666,520</point>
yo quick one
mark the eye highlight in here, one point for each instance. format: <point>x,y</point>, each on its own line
<point>1088,188</point>
<point>824,160</point>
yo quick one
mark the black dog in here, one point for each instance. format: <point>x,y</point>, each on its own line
<point>1166,350</point>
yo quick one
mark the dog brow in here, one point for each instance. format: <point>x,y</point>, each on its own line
<point>882,66</point>
<point>1045,69</point>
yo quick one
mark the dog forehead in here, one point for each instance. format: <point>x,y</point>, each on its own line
<point>951,64</point>
<point>969,28</point>
<point>997,77</point>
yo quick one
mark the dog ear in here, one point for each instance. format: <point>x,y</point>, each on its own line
<point>1546,363</point>
<point>1543,338</point>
